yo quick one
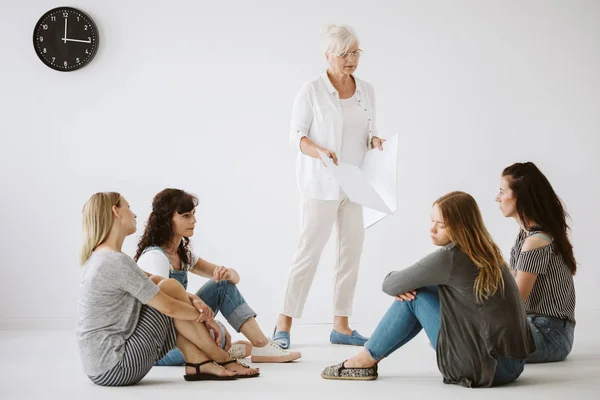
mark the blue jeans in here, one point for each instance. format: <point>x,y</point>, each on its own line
<point>405,319</point>
<point>221,296</point>
<point>553,338</point>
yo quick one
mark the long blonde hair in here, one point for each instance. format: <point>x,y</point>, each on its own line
<point>97,221</point>
<point>467,231</point>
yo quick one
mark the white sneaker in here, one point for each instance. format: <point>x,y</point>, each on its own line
<point>272,353</point>
<point>240,349</point>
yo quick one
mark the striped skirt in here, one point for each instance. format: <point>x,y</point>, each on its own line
<point>153,338</point>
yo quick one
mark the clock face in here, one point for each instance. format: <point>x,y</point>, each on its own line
<point>65,39</point>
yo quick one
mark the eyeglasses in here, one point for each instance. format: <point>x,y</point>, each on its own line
<point>356,54</point>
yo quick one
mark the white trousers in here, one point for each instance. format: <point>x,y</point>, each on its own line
<point>317,220</point>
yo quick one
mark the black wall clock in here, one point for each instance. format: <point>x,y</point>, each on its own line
<point>65,39</point>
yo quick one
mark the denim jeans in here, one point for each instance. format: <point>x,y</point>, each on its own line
<point>553,338</point>
<point>404,320</point>
<point>507,370</point>
<point>220,296</point>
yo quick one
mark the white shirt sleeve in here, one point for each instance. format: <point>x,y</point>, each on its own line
<point>155,262</point>
<point>302,116</point>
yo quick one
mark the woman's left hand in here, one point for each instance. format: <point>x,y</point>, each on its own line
<point>377,143</point>
<point>225,274</point>
<point>212,324</point>
<point>221,274</point>
<point>227,340</point>
<point>408,296</point>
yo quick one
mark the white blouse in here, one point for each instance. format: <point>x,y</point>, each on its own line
<point>318,115</point>
<point>354,133</point>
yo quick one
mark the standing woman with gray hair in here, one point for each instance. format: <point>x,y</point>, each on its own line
<point>333,113</point>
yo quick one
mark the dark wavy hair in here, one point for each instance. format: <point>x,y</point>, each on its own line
<point>159,228</point>
<point>537,202</point>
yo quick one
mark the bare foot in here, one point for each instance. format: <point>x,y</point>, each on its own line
<point>241,369</point>
<point>210,368</point>
<point>361,360</point>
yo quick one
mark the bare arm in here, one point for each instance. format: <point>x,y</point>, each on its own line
<point>525,282</point>
<point>526,278</point>
<point>213,271</point>
<point>174,308</point>
<point>203,268</point>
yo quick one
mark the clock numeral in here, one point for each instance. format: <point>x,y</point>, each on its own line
<point>45,27</point>
<point>53,59</point>
<point>44,50</point>
<point>41,38</point>
<point>53,18</point>
<point>89,38</point>
<point>77,60</point>
<point>65,15</point>
<point>77,19</point>
<point>87,51</point>
<point>65,64</point>
<point>84,27</point>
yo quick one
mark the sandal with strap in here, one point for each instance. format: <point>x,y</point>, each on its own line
<point>201,376</point>
<point>238,362</point>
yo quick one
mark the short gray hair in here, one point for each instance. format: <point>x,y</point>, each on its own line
<point>338,39</point>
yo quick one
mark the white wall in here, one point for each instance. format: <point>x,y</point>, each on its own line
<point>198,95</point>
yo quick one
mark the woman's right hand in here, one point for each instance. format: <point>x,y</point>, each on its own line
<point>309,148</point>
<point>328,153</point>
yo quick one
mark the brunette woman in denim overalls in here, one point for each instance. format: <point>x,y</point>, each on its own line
<point>164,250</point>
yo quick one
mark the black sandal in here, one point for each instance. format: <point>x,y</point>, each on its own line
<point>201,376</point>
<point>238,362</point>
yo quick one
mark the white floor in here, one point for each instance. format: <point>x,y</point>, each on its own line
<point>45,364</point>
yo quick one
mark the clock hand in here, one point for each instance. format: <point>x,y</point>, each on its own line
<point>65,38</point>
<point>76,40</point>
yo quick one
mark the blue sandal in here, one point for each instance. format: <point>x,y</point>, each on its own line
<point>281,338</point>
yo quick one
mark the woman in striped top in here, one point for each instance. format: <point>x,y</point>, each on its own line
<point>129,319</point>
<point>542,259</point>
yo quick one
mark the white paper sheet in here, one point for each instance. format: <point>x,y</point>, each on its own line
<point>380,168</point>
<point>374,184</point>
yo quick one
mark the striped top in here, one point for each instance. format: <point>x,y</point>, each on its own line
<point>553,293</point>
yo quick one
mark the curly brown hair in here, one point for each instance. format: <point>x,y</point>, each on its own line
<point>159,228</point>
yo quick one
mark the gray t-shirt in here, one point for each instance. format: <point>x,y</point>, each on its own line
<point>113,289</point>
<point>471,334</point>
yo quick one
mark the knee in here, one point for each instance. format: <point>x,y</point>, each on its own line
<point>171,287</point>
<point>213,286</point>
<point>156,279</point>
<point>427,294</point>
<point>400,304</point>
<point>226,285</point>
